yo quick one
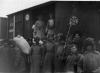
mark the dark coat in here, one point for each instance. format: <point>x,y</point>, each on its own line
<point>36,59</point>
<point>59,65</point>
<point>91,61</point>
<point>49,57</point>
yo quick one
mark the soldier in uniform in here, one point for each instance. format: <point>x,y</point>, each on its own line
<point>49,57</point>
<point>90,62</point>
<point>36,56</point>
<point>50,25</point>
<point>48,66</point>
<point>78,40</point>
<point>59,45</point>
<point>73,60</point>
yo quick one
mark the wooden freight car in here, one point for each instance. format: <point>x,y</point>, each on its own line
<point>88,14</point>
<point>21,22</point>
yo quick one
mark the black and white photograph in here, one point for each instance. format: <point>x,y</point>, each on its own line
<point>49,36</point>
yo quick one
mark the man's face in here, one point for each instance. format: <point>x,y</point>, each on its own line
<point>77,36</point>
<point>73,49</point>
<point>89,48</point>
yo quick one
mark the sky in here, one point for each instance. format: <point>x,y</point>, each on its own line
<point>11,6</point>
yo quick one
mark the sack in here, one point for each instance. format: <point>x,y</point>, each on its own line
<point>22,44</point>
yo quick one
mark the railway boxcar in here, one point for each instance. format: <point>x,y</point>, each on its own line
<point>88,14</point>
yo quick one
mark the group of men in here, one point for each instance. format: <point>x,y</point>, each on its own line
<point>54,53</point>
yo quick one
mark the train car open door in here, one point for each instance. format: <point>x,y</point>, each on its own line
<point>27,26</point>
<point>19,24</point>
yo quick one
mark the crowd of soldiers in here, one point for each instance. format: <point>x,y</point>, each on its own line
<point>56,53</point>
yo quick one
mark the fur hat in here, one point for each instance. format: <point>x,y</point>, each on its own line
<point>89,42</point>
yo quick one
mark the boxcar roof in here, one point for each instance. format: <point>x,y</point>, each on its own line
<point>95,4</point>
<point>33,7</point>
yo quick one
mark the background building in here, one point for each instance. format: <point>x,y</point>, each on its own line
<point>3,28</point>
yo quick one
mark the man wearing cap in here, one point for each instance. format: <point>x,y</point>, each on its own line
<point>91,59</point>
